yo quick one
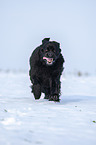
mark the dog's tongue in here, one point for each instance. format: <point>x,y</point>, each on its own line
<point>48,59</point>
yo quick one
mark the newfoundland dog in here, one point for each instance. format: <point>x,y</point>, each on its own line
<point>46,66</point>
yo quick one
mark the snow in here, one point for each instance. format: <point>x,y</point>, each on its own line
<point>25,121</point>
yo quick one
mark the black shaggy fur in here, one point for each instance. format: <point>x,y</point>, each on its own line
<point>46,66</point>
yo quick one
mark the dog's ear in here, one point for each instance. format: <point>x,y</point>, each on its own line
<point>45,40</point>
<point>58,44</point>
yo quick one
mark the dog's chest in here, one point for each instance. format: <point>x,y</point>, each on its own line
<point>44,76</point>
<point>45,73</point>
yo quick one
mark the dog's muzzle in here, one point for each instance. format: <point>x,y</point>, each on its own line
<point>49,60</point>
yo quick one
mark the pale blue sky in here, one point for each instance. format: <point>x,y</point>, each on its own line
<point>24,23</point>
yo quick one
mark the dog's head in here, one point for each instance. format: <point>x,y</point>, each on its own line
<point>49,51</point>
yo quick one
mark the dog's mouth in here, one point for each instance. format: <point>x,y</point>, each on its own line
<point>48,60</point>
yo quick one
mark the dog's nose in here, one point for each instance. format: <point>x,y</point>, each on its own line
<point>50,54</point>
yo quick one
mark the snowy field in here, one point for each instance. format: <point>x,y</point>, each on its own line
<point>24,121</point>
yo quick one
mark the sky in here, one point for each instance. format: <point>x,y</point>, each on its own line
<point>24,23</point>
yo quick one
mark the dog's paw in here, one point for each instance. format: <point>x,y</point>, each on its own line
<point>54,98</point>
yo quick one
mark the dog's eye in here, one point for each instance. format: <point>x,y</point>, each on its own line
<point>53,50</point>
<point>42,49</point>
<point>46,50</point>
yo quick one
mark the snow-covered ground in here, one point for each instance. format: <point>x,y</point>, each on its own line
<point>24,121</point>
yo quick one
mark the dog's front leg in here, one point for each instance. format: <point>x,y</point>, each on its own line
<point>50,85</point>
<point>54,90</point>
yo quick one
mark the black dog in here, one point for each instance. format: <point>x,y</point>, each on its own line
<point>46,66</point>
